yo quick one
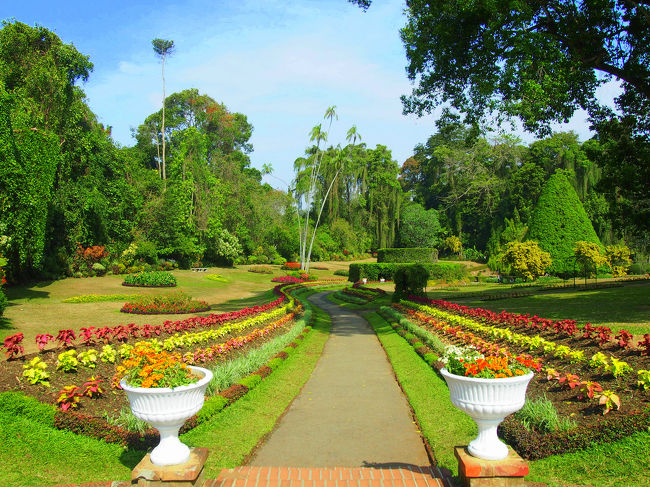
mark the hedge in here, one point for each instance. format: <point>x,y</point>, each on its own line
<point>373,271</point>
<point>419,255</point>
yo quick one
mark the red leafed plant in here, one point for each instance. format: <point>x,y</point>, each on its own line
<point>645,344</point>
<point>69,397</point>
<point>87,335</point>
<point>604,335</point>
<point>589,388</point>
<point>13,346</point>
<point>65,338</point>
<point>624,338</point>
<point>571,380</point>
<point>41,340</point>
<point>91,387</point>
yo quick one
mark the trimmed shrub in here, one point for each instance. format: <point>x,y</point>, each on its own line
<point>374,271</point>
<point>251,381</point>
<point>4,302</point>
<point>341,272</point>
<point>417,255</point>
<point>150,279</point>
<point>558,222</point>
<point>410,280</point>
<point>211,407</point>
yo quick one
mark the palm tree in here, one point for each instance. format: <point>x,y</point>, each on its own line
<point>163,48</point>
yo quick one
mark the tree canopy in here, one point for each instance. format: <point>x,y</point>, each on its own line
<point>539,61</point>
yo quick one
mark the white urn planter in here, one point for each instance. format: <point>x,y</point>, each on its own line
<point>487,402</point>
<point>166,409</point>
<point>364,280</point>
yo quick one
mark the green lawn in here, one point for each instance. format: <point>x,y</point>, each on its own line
<point>618,307</point>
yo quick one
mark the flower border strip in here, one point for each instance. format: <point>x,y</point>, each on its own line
<point>99,428</point>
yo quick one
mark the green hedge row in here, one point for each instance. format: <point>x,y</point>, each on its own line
<point>420,255</point>
<point>374,271</point>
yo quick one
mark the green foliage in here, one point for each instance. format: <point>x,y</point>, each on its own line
<point>341,272</point>
<point>67,361</point>
<point>454,245</point>
<point>540,415</point>
<point>4,302</point>
<point>410,255</point>
<point>251,381</point>
<point>537,62</point>
<point>88,358</point>
<point>410,280</point>
<point>526,259</point>
<point>35,372</point>
<point>419,227</point>
<point>618,259</point>
<point>108,354</point>
<point>155,278</point>
<point>558,222</point>
<point>99,298</point>
<point>374,271</point>
<point>588,257</point>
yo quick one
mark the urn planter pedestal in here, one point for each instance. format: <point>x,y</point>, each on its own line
<point>487,402</point>
<point>166,410</point>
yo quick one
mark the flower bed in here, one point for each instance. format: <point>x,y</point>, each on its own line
<point>150,279</point>
<point>121,333</point>
<point>586,375</point>
<point>177,303</point>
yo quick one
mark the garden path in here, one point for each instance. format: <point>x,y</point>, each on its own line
<point>351,412</point>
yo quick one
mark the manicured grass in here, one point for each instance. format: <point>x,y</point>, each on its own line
<point>428,395</point>
<point>623,462</point>
<point>627,306</point>
<point>36,455</point>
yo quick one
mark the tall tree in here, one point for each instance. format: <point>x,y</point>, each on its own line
<point>163,48</point>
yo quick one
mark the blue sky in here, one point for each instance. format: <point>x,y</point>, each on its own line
<point>279,62</point>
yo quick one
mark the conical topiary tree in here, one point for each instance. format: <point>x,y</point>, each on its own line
<point>559,221</point>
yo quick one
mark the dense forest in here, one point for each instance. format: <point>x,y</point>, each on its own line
<point>74,202</point>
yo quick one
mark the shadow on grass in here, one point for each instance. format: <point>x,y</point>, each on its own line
<point>5,324</point>
<point>130,458</point>
<point>27,292</point>
<point>259,298</point>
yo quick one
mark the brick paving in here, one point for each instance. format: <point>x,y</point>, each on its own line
<point>405,476</point>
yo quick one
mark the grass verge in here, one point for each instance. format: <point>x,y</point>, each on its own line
<point>428,395</point>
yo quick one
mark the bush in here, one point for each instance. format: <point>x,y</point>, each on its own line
<point>410,280</point>
<point>618,258</point>
<point>410,255</point>
<point>374,271</point>
<point>261,269</point>
<point>99,269</point>
<point>526,259</point>
<point>150,279</point>
<point>4,302</point>
<point>341,272</point>
<point>558,222</point>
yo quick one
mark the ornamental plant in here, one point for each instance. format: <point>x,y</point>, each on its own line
<point>88,358</point>
<point>526,259</point>
<point>67,361</point>
<point>69,397</point>
<point>35,372</point>
<point>169,303</point>
<point>13,346</point>
<point>153,279</point>
<point>146,367</point>
<point>471,363</point>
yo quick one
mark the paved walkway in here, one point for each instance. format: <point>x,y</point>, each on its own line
<point>351,412</point>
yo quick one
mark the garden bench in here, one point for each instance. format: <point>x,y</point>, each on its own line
<point>199,269</point>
